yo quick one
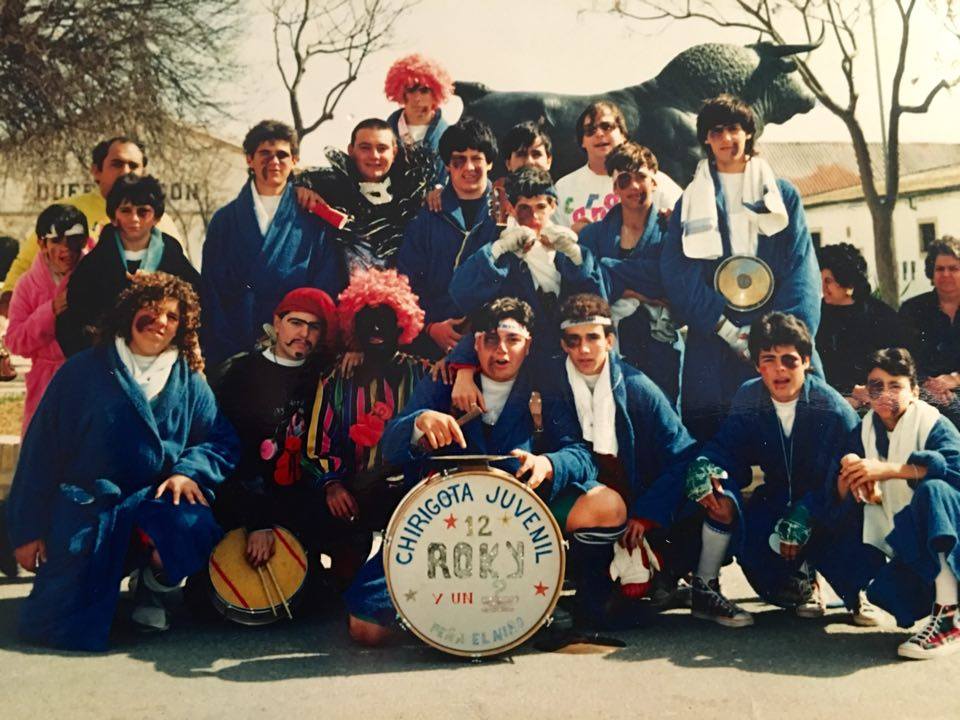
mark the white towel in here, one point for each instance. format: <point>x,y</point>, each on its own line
<point>909,436</point>
<point>762,203</point>
<point>149,373</point>
<point>595,410</point>
<point>543,269</point>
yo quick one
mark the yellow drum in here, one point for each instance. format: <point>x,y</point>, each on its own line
<point>250,597</point>
<point>474,562</point>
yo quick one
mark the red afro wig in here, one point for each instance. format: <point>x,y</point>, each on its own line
<point>413,70</point>
<point>369,288</point>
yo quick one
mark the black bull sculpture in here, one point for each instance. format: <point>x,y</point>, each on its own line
<point>661,113</point>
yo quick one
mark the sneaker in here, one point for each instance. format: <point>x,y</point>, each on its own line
<point>149,612</point>
<point>939,637</point>
<point>865,614</point>
<point>708,603</point>
<point>814,607</point>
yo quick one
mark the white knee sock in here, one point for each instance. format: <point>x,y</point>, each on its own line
<point>713,552</point>
<point>945,584</point>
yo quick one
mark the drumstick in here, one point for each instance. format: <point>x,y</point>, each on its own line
<point>279,591</point>
<point>266,591</point>
<point>472,414</point>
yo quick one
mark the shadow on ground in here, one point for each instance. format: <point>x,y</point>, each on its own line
<point>316,644</point>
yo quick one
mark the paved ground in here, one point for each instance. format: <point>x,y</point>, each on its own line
<point>781,668</point>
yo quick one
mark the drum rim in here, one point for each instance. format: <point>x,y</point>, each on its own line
<point>388,541</point>
<point>224,607</point>
<point>753,258</point>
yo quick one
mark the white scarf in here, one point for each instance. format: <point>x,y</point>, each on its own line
<point>698,214</point>
<point>543,269</point>
<point>909,436</point>
<point>595,410</point>
<point>149,373</point>
<point>376,193</point>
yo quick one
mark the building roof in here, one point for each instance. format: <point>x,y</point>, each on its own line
<point>821,169</point>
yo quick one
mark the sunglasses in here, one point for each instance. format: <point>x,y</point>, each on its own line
<point>589,130</point>
<point>419,89</point>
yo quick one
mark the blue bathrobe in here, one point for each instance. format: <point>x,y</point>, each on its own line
<point>90,464</point>
<point>711,371</point>
<point>654,447</point>
<point>638,271</point>
<point>480,279</point>
<point>435,245</point>
<point>752,435</point>
<point>573,467</point>
<point>245,274</point>
<point>929,525</point>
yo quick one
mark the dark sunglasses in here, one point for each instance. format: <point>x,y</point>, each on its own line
<point>589,130</point>
<point>421,89</point>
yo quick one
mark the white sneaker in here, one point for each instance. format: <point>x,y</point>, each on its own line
<point>814,607</point>
<point>149,612</point>
<point>866,614</point>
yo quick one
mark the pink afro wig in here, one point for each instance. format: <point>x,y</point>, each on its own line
<point>369,288</point>
<point>413,70</point>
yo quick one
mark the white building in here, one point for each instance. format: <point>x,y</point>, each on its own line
<point>827,177</point>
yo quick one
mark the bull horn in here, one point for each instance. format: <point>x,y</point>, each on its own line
<point>774,51</point>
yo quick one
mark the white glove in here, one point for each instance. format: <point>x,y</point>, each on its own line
<point>634,569</point>
<point>736,337</point>
<point>563,240</point>
<point>517,239</point>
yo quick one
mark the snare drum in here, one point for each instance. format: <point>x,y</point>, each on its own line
<point>248,597</point>
<point>474,562</point>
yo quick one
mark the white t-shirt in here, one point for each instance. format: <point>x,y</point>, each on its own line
<point>742,241</point>
<point>584,195</point>
<point>264,207</point>
<point>787,413</point>
<point>494,397</point>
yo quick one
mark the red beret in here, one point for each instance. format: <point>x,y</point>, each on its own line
<point>313,301</point>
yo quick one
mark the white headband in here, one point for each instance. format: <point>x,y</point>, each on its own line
<point>595,320</point>
<point>512,327</point>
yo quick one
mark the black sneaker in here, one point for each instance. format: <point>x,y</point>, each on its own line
<point>939,637</point>
<point>708,603</point>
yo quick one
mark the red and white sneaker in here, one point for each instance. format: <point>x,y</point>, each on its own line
<point>939,637</point>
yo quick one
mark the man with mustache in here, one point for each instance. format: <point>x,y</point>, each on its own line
<point>261,246</point>
<point>266,396</point>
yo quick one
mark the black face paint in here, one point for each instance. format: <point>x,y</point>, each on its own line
<point>377,330</point>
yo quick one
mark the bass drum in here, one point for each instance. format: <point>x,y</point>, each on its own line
<point>474,562</point>
<point>248,597</point>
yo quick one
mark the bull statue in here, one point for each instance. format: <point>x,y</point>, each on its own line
<point>661,113</point>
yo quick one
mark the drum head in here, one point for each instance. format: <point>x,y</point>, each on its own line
<point>474,562</point>
<point>745,281</point>
<point>471,458</point>
<point>244,595</point>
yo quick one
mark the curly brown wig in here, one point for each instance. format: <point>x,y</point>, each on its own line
<point>149,290</point>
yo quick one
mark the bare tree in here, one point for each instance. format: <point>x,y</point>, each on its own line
<point>774,19</point>
<point>72,70</point>
<point>350,30</point>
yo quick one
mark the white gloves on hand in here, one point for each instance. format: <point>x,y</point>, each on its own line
<point>736,337</point>
<point>517,239</point>
<point>563,240</point>
<point>634,569</point>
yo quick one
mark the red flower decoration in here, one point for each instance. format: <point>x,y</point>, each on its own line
<point>367,430</point>
<point>382,410</point>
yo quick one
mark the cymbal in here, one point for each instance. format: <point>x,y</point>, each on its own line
<point>745,281</point>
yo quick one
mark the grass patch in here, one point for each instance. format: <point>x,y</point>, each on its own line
<point>11,414</point>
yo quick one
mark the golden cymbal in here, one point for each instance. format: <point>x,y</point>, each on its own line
<point>745,281</point>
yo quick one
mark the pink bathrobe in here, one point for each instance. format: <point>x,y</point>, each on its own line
<point>31,332</point>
